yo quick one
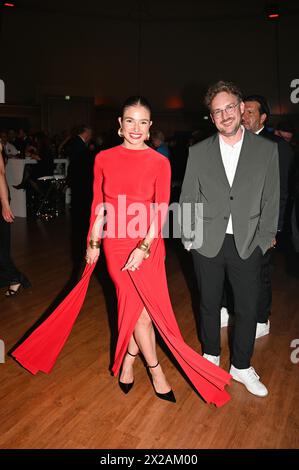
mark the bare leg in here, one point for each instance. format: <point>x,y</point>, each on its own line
<point>144,335</point>
<point>127,375</point>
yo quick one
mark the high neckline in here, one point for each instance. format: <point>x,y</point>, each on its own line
<point>134,150</point>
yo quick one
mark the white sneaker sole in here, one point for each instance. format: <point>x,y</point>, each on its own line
<point>216,363</point>
<point>265,332</point>
<point>256,395</point>
<point>225,318</point>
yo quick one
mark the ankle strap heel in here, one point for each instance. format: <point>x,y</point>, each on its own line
<point>133,355</point>
<point>126,387</point>
<point>168,396</point>
<point>153,367</point>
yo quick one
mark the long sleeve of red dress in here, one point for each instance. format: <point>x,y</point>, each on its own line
<point>128,182</point>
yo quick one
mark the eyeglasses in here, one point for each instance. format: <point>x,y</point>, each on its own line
<point>229,110</point>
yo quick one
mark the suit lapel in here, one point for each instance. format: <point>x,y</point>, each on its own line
<point>218,170</point>
<point>244,163</point>
<point>243,166</point>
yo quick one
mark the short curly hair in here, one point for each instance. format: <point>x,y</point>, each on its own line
<point>220,86</point>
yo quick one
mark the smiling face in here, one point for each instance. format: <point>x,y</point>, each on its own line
<point>226,113</point>
<point>135,124</point>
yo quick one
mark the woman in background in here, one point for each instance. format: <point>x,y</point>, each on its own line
<point>39,150</point>
<point>9,275</point>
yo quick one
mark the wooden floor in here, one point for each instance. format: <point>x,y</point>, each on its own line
<point>79,405</point>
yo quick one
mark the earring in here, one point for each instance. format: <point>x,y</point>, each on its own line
<point>120,133</point>
<point>148,136</point>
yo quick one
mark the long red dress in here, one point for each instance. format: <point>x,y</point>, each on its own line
<point>137,176</point>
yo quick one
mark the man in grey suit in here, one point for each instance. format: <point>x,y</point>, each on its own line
<point>235,175</point>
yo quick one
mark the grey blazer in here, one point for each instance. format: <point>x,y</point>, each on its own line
<point>252,200</point>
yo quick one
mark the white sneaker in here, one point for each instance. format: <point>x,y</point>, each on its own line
<point>214,359</point>
<point>262,329</point>
<point>250,379</point>
<point>224,317</point>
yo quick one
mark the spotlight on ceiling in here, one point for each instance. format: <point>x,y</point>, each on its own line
<point>272,11</point>
<point>9,4</point>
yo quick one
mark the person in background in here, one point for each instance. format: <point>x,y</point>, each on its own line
<point>295,219</point>
<point>9,274</point>
<point>22,141</point>
<point>285,130</point>
<point>95,146</point>
<point>39,150</point>
<point>9,149</point>
<point>80,179</point>
<point>65,138</point>
<point>12,137</point>
<point>158,141</point>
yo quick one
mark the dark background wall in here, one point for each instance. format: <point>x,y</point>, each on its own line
<point>168,50</point>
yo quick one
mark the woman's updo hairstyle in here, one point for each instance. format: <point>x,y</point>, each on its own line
<point>136,101</point>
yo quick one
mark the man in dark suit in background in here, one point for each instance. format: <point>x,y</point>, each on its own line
<point>256,114</point>
<point>80,180</point>
<point>286,130</point>
<point>255,117</point>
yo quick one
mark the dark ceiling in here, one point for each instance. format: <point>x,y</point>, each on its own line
<point>151,10</point>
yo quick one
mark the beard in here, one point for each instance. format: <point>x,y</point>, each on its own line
<point>232,132</point>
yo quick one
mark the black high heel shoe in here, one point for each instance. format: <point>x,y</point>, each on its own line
<point>126,387</point>
<point>23,284</point>
<point>19,186</point>
<point>168,396</point>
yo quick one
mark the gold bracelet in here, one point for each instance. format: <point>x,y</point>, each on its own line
<point>94,244</point>
<point>144,246</point>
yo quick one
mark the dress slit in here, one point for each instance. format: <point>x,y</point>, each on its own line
<point>208,379</point>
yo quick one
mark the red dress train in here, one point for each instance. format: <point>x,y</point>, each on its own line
<point>137,176</point>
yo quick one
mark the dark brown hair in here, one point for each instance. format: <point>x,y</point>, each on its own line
<point>136,101</point>
<point>219,87</point>
<point>264,107</point>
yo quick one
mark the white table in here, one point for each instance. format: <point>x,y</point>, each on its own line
<point>14,174</point>
<point>65,162</point>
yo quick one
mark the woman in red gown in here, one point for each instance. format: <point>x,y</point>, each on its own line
<point>128,179</point>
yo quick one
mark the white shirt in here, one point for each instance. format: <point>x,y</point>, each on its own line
<point>10,150</point>
<point>230,156</point>
<point>82,139</point>
<point>260,130</point>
